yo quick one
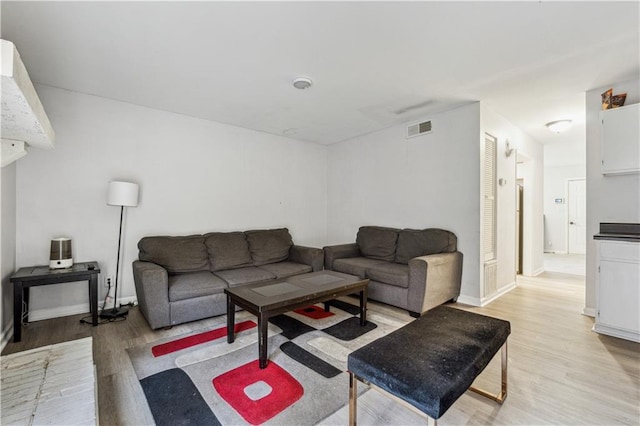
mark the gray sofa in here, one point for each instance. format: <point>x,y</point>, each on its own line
<point>412,269</point>
<point>181,279</point>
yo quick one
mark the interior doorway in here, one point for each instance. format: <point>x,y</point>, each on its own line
<point>519,225</point>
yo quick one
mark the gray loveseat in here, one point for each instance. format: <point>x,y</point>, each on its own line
<point>181,279</point>
<point>412,269</point>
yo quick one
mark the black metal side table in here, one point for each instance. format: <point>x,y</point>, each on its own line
<point>32,276</point>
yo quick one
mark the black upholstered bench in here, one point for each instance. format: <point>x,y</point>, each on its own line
<point>431,361</point>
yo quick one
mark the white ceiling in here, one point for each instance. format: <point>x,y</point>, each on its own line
<point>234,62</point>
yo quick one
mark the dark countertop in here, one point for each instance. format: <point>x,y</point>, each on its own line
<point>629,232</point>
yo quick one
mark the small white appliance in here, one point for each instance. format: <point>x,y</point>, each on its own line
<point>61,256</point>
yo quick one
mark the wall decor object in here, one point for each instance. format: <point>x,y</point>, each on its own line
<point>618,100</point>
<point>606,99</point>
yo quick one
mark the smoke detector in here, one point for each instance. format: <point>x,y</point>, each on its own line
<point>302,83</point>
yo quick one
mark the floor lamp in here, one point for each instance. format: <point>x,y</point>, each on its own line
<point>123,194</point>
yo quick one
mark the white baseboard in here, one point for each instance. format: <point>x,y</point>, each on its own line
<point>589,312</point>
<point>501,292</point>
<point>634,336</point>
<point>537,272</point>
<point>63,311</point>
<point>476,301</point>
<point>467,300</point>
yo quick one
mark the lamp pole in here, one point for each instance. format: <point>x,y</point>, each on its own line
<point>120,194</point>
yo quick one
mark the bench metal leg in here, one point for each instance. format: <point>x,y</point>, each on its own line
<point>503,390</point>
<point>353,397</point>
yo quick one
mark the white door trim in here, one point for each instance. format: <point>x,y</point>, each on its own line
<point>567,218</point>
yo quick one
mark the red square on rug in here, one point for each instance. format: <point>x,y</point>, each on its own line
<point>196,339</point>
<point>258,394</point>
<point>315,312</point>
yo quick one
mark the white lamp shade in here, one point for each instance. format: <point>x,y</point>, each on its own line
<point>122,194</point>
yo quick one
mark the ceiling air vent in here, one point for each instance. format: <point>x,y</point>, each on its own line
<point>418,129</point>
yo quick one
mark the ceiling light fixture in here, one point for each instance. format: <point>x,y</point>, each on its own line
<point>558,126</point>
<point>302,83</point>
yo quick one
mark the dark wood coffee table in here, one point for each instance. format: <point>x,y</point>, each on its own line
<point>266,300</point>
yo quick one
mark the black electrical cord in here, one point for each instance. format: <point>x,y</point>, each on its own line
<point>89,321</point>
<point>104,303</point>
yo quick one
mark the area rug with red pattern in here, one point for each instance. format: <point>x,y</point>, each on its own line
<point>200,379</point>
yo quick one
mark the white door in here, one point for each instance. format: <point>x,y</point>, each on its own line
<point>577,205</point>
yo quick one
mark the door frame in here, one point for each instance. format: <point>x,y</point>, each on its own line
<point>519,225</point>
<point>566,210</point>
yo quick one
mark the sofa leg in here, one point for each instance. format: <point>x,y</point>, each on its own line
<point>415,314</point>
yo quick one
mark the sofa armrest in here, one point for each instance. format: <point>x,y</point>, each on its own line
<point>339,251</point>
<point>152,289</point>
<point>434,280</point>
<point>311,256</point>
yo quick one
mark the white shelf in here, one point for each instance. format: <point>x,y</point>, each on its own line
<point>23,116</point>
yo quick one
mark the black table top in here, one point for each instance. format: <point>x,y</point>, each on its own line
<point>265,296</point>
<point>43,271</point>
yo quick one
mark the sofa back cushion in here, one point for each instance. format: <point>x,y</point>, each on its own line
<point>175,254</point>
<point>414,242</point>
<point>377,242</point>
<point>227,250</point>
<point>269,245</point>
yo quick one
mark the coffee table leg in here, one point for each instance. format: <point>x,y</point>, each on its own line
<point>263,322</point>
<point>353,399</point>
<point>363,306</point>
<point>327,307</point>
<point>231,320</point>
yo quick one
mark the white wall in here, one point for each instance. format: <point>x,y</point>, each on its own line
<point>8,245</point>
<point>531,152</point>
<point>609,198</point>
<point>428,181</point>
<point>555,214</point>
<point>195,176</point>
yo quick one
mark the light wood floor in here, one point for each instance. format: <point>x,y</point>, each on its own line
<point>560,372</point>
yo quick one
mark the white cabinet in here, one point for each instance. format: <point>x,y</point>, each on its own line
<point>621,140</point>
<point>618,291</point>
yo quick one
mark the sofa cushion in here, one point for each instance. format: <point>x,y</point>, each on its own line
<point>356,265</point>
<point>414,242</point>
<point>194,284</point>
<point>390,273</point>
<point>377,242</point>
<point>269,245</point>
<point>287,269</point>
<point>175,254</point>
<point>247,275</point>
<point>227,250</point>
